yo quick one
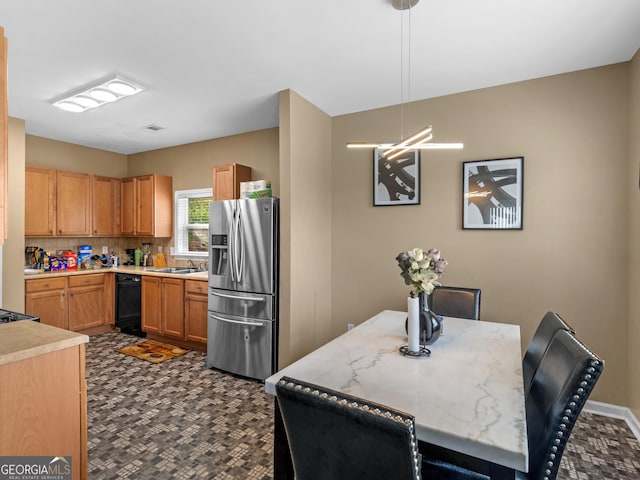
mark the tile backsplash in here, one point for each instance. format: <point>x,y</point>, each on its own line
<point>115,245</point>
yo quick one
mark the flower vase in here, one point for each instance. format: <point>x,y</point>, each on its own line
<point>430,323</point>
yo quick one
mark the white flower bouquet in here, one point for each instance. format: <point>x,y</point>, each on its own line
<point>421,270</point>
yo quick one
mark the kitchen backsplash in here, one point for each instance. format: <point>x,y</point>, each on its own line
<point>114,245</point>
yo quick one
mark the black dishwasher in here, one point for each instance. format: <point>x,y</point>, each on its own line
<point>128,304</point>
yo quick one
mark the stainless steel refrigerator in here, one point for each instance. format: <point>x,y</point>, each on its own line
<point>242,322</point>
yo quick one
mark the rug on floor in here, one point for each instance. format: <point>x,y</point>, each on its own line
<point>152,351</point>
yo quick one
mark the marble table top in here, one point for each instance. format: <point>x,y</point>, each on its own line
<point>467,396</point>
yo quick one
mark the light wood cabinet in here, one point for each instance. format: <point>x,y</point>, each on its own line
<point>105,211</point>
<point>163,306</point>
<point>173,307</point>
<point>75,302</point>
<point>147,206</point>
<point>40,202</point>
<point>195,310</point>
<point>87,302</point>
<point>227,178</point>
<point>4,136</point>
<point>43,405</point>
<point>73,204</point>
<point>151,308</point>
<point>47,299</point>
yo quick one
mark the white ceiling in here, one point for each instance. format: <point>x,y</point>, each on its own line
<point>214,68</point>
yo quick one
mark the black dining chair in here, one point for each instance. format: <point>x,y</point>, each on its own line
<point>456,302</point>
<point>547,328</point>
<point>333,436</point>
<point>559,389</point>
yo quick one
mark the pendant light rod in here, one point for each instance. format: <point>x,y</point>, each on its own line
<point>404,4</point>
<point>420,140</point>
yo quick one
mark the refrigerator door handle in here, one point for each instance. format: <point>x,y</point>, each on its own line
<point>240,245</point>
<point>236,297</point>
<point>231,248</point>
<point>250,324</point>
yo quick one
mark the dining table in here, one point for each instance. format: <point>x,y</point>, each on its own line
<point>467,396</point>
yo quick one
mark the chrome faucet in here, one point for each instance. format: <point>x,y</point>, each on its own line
<point>190,264</point>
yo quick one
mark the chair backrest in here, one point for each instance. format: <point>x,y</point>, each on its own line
<point>560,387</point>
<point>547,328</point>
<point>336,436</point>
<point>456,302</point>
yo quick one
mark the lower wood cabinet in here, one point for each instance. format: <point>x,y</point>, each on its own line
<point>75,302</point>
<point>43,407</point>
<point>163,306</point>
<point>87,302</point>
<point>47,299</point>
<point>195,310</point>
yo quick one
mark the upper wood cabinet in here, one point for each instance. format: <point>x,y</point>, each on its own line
<point>226,180</point>
<point>105,219</point>
<point>40,202</point>
<point>4,136</point>
<point>59,203</point>
<point>147,206</point>
<point>73,204</point>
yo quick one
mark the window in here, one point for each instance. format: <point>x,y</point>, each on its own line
<point>192,222</point>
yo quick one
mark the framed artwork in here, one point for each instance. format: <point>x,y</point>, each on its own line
<point>492,194</point>
<point>396,182</point>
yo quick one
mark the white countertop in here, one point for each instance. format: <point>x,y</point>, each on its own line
<point>26,339</point>
<point>468,396</point>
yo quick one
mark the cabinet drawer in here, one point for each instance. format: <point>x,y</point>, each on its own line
<point>45,284</point>
<point>196,286</point>
<point>84,280</point>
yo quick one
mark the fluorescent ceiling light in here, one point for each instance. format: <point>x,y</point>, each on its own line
<point>97,95</point>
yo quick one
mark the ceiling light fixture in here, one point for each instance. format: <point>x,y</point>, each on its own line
<point>422,139</point>
<point>97,95</point>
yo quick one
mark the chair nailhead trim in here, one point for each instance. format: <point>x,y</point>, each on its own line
<point>366,408</point>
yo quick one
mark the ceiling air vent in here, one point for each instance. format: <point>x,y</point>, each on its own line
<point>153,127</point>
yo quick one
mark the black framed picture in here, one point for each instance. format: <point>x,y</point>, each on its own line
<point>396,182</point>
<point>492,194</point>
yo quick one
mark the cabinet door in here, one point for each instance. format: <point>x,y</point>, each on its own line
<point>86,307</point>
<point>40,202</point>
<point>195,317</point>
<point>144,206</point>
<point>127,206</point>
<point>105,219</point>
<point>50,305</point>
<point>227,178</point>
<point>4,136</point>
<point>151,304</point>
<point>173,307</point>
<point>223,182</point>
<point>43,408</point>
<point>73,204</point>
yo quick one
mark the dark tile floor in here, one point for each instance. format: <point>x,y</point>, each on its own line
<point>176,420</point>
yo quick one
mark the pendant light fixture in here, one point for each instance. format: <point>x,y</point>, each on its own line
<point>422,139</point>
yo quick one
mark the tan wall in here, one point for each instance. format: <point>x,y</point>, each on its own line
<point>306,227</point>
<point>191,165</point>
<point>43,152</point>
<point>634,237</point>
<point>571,256</point>
<point>13,248</point>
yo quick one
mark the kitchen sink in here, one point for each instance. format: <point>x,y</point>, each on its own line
<point>179,270</point>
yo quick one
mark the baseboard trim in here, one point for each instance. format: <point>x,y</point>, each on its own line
<point>614,411</point>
